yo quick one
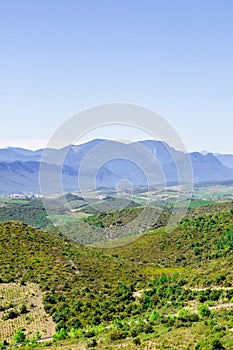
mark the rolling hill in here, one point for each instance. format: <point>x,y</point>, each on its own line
<point>177,285</point>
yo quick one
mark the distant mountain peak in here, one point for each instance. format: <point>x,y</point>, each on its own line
<point>19,168</point>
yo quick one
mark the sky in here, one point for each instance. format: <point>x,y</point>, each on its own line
<point>173,56</point>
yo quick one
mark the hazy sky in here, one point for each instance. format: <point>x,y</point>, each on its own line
<point>58,57</point>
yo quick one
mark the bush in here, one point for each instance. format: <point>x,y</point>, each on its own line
<point>204,296</point>
<point>60,325</point>
<point>117,334</point>
<point>89,334</point>
<point>135,331</point>
<point>220,279</point>
<point>187,316</point>
<point>170,320</point>
<point>216,344</point>
<point>3,345</point>
<point>10,315</point>
<point>93,343</point>
<point>219,328</point>
<point>74,322</point>
<point>19,337</point>
<point>147,328</point>
<point>202,344</point>
<point>23,309</point>
<point>61,334</point>
<point>204,311</point>
<point>154,316</point>
<point>137,341</point>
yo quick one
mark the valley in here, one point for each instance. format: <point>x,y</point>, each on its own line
<point>116,175</point>
<point>98,268</point>
<point>132,295</point>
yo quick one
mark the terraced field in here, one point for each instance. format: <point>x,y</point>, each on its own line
<point>21,307</point>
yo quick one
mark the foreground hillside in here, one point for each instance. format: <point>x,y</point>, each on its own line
<point>163,291</point>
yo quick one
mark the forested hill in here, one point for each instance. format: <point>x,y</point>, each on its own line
<point>177,285</point>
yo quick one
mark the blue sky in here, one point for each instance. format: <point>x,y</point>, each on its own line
<point>174,56</point>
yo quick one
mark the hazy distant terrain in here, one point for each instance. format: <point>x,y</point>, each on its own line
<point>19,168</point>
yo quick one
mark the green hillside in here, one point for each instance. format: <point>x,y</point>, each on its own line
<point>31,212</point>
<point>163,291</point>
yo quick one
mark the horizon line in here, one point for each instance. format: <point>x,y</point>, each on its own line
<point>36,149</point>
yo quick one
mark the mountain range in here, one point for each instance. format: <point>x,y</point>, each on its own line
<point>105,163</point>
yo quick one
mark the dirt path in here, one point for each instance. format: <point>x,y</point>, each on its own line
<point>208,288</point>
<point>221,306</point>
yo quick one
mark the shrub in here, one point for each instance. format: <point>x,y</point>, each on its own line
<point>220,279</point>
<point>61,334</point>
<point>203,310</point>
<point>187,316</point>
<point>10,315</point>
<point>93,343</point>
<point>19,336</point>
<point>23,309</point>
<point>216,344</point>
<point>74,322</point>
<point>3,345</point>
<point>147,328</point>
<point>116,334</point>
<point>154,316</point>
<point>60,325</point>
<point>137,341</point>
<point>89,334</point>
<point>219,328</point>
<point>136,330</point>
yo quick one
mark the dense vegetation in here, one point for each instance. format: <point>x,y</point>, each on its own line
<point>31,212</point>
<point>175,286</point>
<point>140,215</point>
